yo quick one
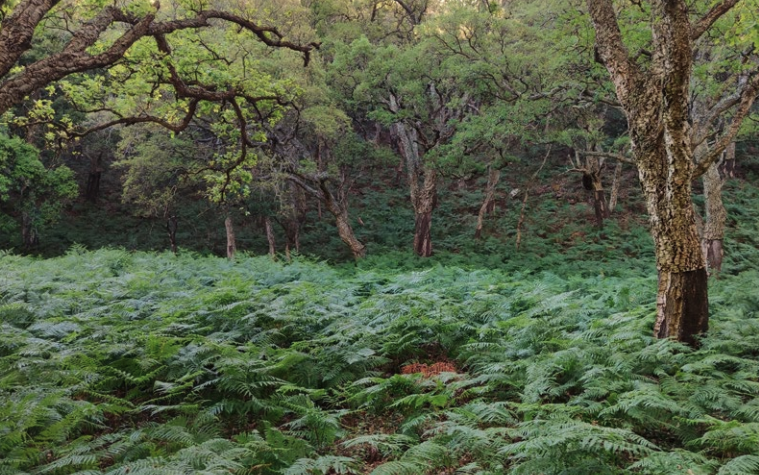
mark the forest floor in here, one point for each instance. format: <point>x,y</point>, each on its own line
<point>484,359</point>
<point>127,362</point>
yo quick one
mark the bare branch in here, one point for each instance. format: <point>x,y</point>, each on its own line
<point>18,30</point>
<point>716,12</point>
<point>744,107</point>
<point>142,119</point>
<point>614,156</point>
<point>624,72</point>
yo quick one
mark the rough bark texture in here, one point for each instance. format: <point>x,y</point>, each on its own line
<point>681,299</point>
<point>682,313</point>
<point>231,241</point>
<point>345,230</point>
<point>424,199</point>
<point>656,102</point>
<point>339,209</point>
<point>599,205</point>
<point>270,237</point>
<point>422,187</point>
<point>716,214</point>
<point>494,176</point>
<point>614,196</point>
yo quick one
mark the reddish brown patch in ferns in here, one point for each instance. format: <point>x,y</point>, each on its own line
<point>429,370</point>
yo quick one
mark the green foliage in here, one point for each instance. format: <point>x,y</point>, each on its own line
<point>122,363</point>
<point>34,192</point>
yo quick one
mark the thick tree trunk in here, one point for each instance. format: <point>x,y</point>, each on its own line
<point>424,199</point>
<point>682,300</point>
<point>231,242</point>
<point>270,237</point>
<point>682,305</point>
<point>488,204</point>
<point>656,98</point>
<point>339,210</point>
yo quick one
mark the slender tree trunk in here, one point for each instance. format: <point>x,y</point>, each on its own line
<point>598,197</point>
<point>424,199</point>
<point>270,237</point>
<point>347,235</point>
<point>93,179</point>
<point>231,242</point>
<point>422,186</point>
<point>172,222</point>
<point>615,188</point>
<point>716,214</point>
<point>29,233</point>
<point>682,299</point>
<point>488,203</point>
<point>295,217</point>
<point>339,210</point>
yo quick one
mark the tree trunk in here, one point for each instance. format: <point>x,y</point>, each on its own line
<point>93,186</point>
<point>656,99</point>
<point>424,199</point>
<point>270,237</point>
<point>295,217</point>
<point>422,184</point>
<point>339,209</point>
<point>615,188</point>
<point>716,214</point>
<point>93,179</point>
<point>682,310</point>
<point>29,233</point>
<point>599,200</point>
<point>345,231</point>
<point>488,203</point>
<point>231,242</point>
<point>171,229</point>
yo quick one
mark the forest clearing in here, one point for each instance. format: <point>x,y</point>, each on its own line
<point>387,237</point>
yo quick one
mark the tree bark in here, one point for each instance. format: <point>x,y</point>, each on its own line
<point>345,230</point>
<point>270,237</point>
<point>171,229</point>
<point>656,101</point>
<point>231,242</point>
<point>488,203</point>
<point>424,199</point>
<point>422,186</point>
<point>682,300</point>
<point>716,214</point>
<point>339,209</point>
<point>682,305</point>
<point>593,183</point>
<point>614,196</point>
<point>29,233</point>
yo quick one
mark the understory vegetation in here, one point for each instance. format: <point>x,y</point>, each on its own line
<point>138,363</point>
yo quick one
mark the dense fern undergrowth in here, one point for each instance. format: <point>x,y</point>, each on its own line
<point>137,363</point>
